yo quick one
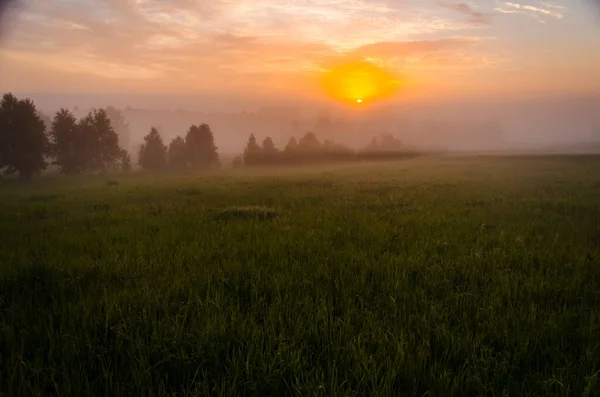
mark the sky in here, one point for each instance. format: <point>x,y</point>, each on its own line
<point>436,48</point>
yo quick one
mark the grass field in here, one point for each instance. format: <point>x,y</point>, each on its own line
<point>446,276</point>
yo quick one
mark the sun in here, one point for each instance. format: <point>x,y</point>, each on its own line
<point>358,82</point>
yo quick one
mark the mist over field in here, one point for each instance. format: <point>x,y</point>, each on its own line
<point>558,124</point>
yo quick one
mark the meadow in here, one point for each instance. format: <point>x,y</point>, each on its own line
<point>438,276</point>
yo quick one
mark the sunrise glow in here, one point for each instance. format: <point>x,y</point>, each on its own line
<point>337,50</point>
<point>359,82</point>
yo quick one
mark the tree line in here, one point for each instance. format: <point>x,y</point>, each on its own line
<point>196,151</point>
<point>309,150</point>
<point>29,142</point>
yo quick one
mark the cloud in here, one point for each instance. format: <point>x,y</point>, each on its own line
<point>6,8</point>
<point>4,4</point>
<point>540,13</point>
<point>197,43</point>
<point>409,48</point>
<point>465,9</point>
<point>436,59</point>
<point>131,29</point>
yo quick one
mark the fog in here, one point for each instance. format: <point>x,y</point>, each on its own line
<point>551,124</point>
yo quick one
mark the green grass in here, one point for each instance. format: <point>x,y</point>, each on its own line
<point>425,277</point>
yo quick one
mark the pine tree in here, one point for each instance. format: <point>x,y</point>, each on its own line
<point>87,147</point>
<point>270,154</point>
<point>177,154</point>
<point>100,143</point>
<point>253,152</point>
<point>107,139</point>
<point>292,146</point>
<point>153,153</point>
<point>201,149</point>
<point>309,143</point>
<point>290,152</point>
<point>268,145</point>
<point>66,142</point>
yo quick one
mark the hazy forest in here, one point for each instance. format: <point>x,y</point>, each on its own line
<point>32,141</point>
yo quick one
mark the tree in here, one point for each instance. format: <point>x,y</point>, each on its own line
<point>87,146</point>
<point>391,143</point>
<point>292,146</point>
<point>270,154</point>
<point>253,152</point>
<point>268,145</point>
<point>309,143</point>
<point>177,154</point>
<point>332,151</point>
<point>290,152</point>
<point>101,147</point>
<point>373,146</point>
<point>66,143</point>
<point>23,140</point>
<point>117,120</point>
<point>201,149</point>
<point>153,152</point>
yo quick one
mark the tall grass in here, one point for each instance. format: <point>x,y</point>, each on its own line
<point>438,277</point>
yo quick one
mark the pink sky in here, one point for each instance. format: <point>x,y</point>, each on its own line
<point>439,48</point>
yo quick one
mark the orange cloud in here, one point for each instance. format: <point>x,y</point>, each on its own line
<point>259,46</point>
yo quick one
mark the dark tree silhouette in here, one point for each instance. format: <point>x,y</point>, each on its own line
<point>153,152</point>
<point>201,149</point>
<point>100,149</point>
<point>23,141</point>
<point>270,154</point>
<point>309,143</point>
<point>253,152</point>
<point>67,143</point>
<point>177,154</point>
<point>86,148</point>
<point>268,145</point>
<point>108,140</point>
<point>309,149</point>
<point>291,147</point>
